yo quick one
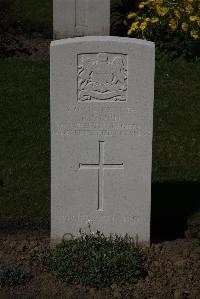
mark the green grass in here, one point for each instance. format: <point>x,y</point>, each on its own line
<point>25,141</point>
<point>176,146</point>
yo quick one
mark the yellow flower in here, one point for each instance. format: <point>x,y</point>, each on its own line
<point>172,24</point>
<point>130,31</point>
<point>134,26</point>
<point>147,19</point>
<point>193,18</point>
<point>131,15</point>
<point>162,11</point>
<point>154,20</point>
<point>177,13</point>
<point>189,8</point>
<point>143,26</point>
<point>184,26</point>
<point>141,5</point>
<point>194,34</point>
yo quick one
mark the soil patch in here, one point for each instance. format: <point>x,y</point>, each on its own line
<point>172,271</point>
<point>25,46</point>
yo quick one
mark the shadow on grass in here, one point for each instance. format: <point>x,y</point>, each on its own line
<point>172,204</point>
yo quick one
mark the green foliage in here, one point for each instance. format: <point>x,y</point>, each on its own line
<point>196,242</point>
<point>97,261</point>
<point>193,230</point>
<point>178,48</point>
<point>119,12</point>
<point>173,25</point>
<point>10,275</point>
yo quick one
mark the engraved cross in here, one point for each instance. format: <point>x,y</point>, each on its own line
<point>101,166</point>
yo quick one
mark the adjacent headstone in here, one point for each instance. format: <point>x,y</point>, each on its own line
<point>73,18</point>
<point>102,91</point>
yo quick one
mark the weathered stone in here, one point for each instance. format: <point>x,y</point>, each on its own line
<point>81,17</point>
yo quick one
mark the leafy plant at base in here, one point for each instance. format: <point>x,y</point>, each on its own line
<point>193,229</point>
<point>10,275</point>
<point>96,261</point>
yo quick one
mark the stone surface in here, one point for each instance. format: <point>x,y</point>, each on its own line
<point>102,91</point>
<point>81,17</point>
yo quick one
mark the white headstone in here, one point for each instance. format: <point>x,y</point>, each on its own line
<point>102,91</point>
<point>81,17</point>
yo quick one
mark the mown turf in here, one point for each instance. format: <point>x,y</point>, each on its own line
<point>25,141</point>
<point>176,146</point>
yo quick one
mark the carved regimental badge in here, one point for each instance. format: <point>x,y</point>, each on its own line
<point>102,77</point>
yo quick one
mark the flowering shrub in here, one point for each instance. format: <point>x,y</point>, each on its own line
<point>175,22</point>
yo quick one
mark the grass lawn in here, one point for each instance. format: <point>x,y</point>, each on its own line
<point>24,143</point>
<point>176,147</point>
<point>25,140</point>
